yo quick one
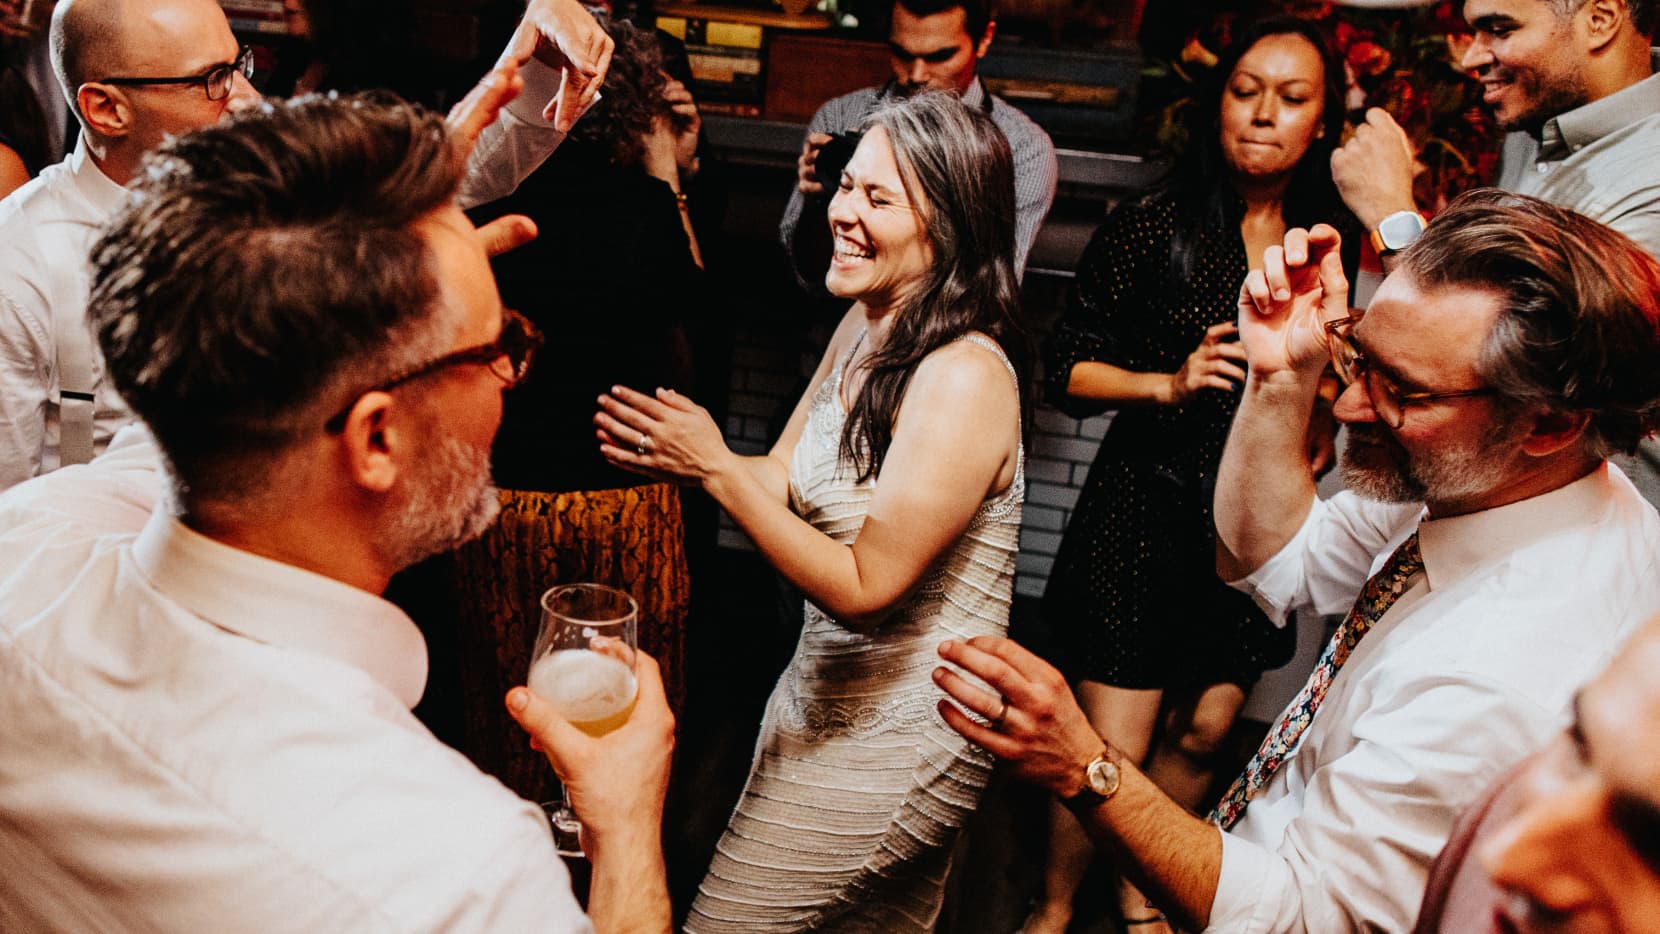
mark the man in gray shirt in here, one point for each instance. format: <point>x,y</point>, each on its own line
<point>932,44</point>
<point>1573,83</point>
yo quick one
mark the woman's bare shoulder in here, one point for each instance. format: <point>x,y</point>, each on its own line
<point>968,368</point>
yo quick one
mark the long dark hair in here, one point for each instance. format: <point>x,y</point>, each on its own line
<point>955,165</point>
<point>1202,173</point>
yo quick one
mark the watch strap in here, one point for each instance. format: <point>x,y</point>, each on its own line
<point>1099,770</point>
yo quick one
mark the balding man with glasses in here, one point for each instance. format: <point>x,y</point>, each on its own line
<point>1487,557</point>
<point>136,72</point>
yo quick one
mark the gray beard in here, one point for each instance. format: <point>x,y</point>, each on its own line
<point>450,502</point>
<point>1375,466</point>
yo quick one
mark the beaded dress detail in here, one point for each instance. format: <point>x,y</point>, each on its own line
<point>859,788</point>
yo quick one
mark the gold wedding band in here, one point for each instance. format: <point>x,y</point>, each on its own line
<point>1002,711</point>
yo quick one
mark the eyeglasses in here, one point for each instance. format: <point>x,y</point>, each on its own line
<point>508,357</point>
<point>216,81</point>
<point>1387,398</point>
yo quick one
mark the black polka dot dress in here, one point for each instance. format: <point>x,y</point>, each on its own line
<point>1133,600</point>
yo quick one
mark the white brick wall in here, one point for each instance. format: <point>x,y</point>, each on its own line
<point>765,379</point>
<point>1060,450</point>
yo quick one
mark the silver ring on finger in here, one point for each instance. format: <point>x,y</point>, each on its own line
<point>643,446</point>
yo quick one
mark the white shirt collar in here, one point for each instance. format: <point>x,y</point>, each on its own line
<point>1457,545</point>
<point>96,187</point>
<point>278,604</point>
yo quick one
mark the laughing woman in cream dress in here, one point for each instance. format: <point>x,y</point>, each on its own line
<point>893,501</point>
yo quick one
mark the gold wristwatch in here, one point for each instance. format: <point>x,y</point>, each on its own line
<point>1100,783</point>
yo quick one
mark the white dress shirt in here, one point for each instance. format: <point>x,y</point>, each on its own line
<point>48,227</point>
<point>1472,668</point>
<point>195,738</point>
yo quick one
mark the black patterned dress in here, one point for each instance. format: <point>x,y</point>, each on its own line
<point>1134,600</point>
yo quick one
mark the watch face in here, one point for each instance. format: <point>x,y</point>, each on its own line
<point>1400,229</point>
<point>1102,776</point>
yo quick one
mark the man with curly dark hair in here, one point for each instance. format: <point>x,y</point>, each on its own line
<point>631,290</point>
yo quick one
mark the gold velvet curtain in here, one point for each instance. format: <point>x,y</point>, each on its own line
<point>630,538</point>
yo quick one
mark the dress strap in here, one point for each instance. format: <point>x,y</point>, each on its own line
<point>997,349</point>
<point>847,359</point>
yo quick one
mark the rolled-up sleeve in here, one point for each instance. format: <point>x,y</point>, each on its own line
<point>836,115</point>
<point>514,146</point>
<point>827,119</point>
<point>1324,566</point>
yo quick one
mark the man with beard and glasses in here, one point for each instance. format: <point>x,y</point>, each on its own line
<point>1573,84</point>
<point>1498,558</point>
<point>932,45</point>
<point>207,703</point>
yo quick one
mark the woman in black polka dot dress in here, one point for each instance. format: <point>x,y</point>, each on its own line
<point>1142,626</point>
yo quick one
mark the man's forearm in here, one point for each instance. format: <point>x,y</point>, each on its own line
<point>1172,856</point>
<point>630,892</point>
<point>1264,487</point>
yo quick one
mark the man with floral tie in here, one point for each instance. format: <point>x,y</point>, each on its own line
<point>1498,557</point>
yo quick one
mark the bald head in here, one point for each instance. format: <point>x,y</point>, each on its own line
<point>93,39</point>
<point>83,31</point>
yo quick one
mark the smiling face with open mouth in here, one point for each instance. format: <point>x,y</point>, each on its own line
<point>881,249</point>
<point>1528,59</point>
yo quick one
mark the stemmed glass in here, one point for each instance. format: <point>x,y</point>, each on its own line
<point>583,664</point>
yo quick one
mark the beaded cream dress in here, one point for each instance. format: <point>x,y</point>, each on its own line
<point>858,788</point>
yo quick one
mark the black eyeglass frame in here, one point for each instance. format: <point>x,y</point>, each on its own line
<point>517,344</point>
<point>1351,364</point>
<point>220,77</point>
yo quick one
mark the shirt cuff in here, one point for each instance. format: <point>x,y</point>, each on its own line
<point>1276,587</point>
<point>1244,889</point>
<point>541,86</point>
